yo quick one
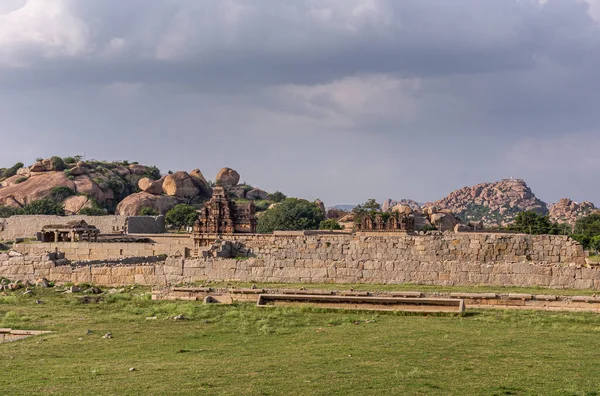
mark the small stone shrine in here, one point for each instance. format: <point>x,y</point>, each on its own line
<point>220,216</point>
<point>395,222</point>
<point>73,231</point>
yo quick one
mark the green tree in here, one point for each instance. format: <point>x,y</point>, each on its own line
<point>529,222</point>
<point>291,214</point>
<point>330,224</point>
<point>371,208</point>
<point>277,196</point>
<point>182,215</point>
<point>44,206</point>
<point>588,225</point>
<point>147,211</point>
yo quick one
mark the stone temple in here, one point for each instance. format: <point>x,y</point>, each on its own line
<point>220,216</point>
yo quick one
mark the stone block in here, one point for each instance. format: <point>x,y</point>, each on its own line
<point>105,270</point>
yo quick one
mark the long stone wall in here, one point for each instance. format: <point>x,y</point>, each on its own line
<point>448,259</point>
<point>27,226</point>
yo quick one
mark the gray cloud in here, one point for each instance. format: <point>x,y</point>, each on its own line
<point>337,99</point>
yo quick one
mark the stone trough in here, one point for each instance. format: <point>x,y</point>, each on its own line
<point>9,335</point>
<point>363,302</point>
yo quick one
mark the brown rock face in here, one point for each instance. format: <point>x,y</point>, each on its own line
<point>402,209</point>
<point>257,193</point>
<point>228,177</point>
<point>75,203</point>
<point>151,186</point>
<point>568,211</point>
<point>85,185</point>
<point>493,203</point>
<point>389,204</point>
<point>183,186</point>
<point>198,175</point>
<point>132,204</point>
<point>36,187</point>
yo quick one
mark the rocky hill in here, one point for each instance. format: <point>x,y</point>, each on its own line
<point>568,211</point>
<point>496,204</point>
<point>112,187</point>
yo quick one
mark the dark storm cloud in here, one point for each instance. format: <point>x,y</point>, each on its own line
<point>349,98</point>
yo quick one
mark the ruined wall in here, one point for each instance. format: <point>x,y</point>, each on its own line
<point>79,251</point>
<point>449,259</point>
<point>27,226</point>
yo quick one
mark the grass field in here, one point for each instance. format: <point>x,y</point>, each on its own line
<point>242,349</point>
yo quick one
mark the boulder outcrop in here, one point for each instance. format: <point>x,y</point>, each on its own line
<point>227,177</point>
<point>185,187</point>
<point>151,186</point>
<point>257,193</point>
<point>133,204</point>
<point>567,211</point>
<point>495,204</point>
<point>36,187</point>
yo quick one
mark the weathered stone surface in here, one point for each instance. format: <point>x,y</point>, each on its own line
<point>257,193</point>
<point>568,211</point>
<point>151,186</point>
<point>132,204</point>
<point>34,188</point>
<point>75,203</point>
<point>183,186</point>
<point>402,209</point>
<point>86,186</point>
<point>227,177</point>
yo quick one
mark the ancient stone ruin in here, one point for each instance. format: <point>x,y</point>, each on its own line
<point>220,216</point>
<point>73,231</point>
<point>395,222</point>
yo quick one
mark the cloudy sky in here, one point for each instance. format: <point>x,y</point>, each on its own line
<point>341,100</point>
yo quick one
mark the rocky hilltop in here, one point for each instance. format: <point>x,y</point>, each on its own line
<point>496,204</point>
<point>81,187</point>
<point>568,211</point>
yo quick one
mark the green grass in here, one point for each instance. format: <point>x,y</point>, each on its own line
<point>242,349</point>
<point>595,259</point>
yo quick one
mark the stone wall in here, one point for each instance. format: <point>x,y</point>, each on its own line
<point>146,225</point>
<point>79,251</point>
<point>27,226</point>
<point>449,259</point>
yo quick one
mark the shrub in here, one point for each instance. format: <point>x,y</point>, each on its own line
<point>330,224</point>
<point>291,214</point>
<point>181,215</point>
<point>261,205</point>
<point>43,207</point>
<point>57,164</point>
<point>21,180</point>
<point>277,196</point>
<point>152,172</point>
<point>59,194</point>
<point>69,160</point>
<point>6,211</point>
<point>147,211</point>
<point>93,211</point>
<point>68,173</point>
<point>10,172</point>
